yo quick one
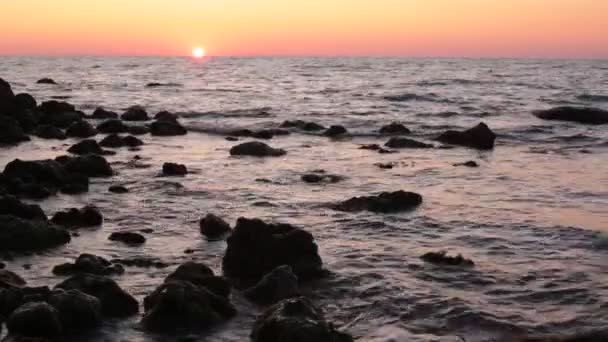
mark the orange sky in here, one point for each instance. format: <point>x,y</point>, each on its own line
<point>495,28</point>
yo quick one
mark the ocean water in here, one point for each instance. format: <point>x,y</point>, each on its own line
<point>533,216</point>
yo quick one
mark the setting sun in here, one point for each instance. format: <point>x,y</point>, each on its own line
<point>198,52</point>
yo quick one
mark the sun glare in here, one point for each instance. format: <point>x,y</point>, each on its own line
<point>198,52</point>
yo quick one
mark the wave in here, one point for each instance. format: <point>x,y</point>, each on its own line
<point>593,98</point>
<point>262,112</point>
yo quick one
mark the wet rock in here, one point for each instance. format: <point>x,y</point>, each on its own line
<point>385,166</point>
<point>469,163</point>
<point>584,115</point>
<point>295,320</point>
<point>81,129</point>
<point>135,113</point>
<point>256,149</point>
<point>59,114</point>
<point>56,107</point>
<point>116,141</point>
<point>10,279</point>
<point>214,227</point>
<point>128,238</point>
<point>49,132</point>
<point>167,128</point>
<point>25,101</point>
<point>118,189</point>
<point>201,275</point>
<point>441,258</point>
<point>303,125</point>
<point>35,319</point>
<point>90,165</point>
<point>281,283</point>
<point>10,205</point>
<point>371,147</point>
<point>77,311</point>
<point>479,137</point>
<point>321,178</point>
<point>256,248</point>
<point>173,169</point>
<point>141,262</point>
<point>386,202</point>
<point>11,132</point>
<point>335,131</point>
<point>165,116</point>
<point>112,126</point>
<point>88,263</point>
<point>400,142</point>
<point>17,234</point>
<point>115,302</point>
<point>138,130</point>
<point>101,113</point>
<point>232,139</point>
<point>87,146</point>
<point>394,128</point>
<point>39,177</point>
<point>46,80</point>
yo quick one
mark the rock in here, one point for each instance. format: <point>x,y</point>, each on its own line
<point>10,205</point>
<point>41,177</point>
<point>135,113</point>
<point>167,128</point>
<point>172,169</point>
<point>303,125</point>
<point>115,141</point>
<point>201,275</point>
<point>81,129</point>
<point>131,141</point>
<point>90,165</point>
<point>441,258</point>
<point>335,130</point>
<point>281,283</point>
<point>25,101</point>
<point>479,137</point>
<point>321,178</point>
<point>35,319</point>
<point>256,149</point>
<point>394,128</point>
<point>129,238</point>
<point>118,189</point>
<point>49,132</point>
<point>46,81</point>
<point>386,202</point>
<point>56,107</point>
<point>401,142</point>
<point>584,115</point>
<point>11,132</point>
<point>180,306</point>
<point>256,248</point>
<point>469,163</point>
<point>77,311</point>
<point>385,165</point>
<point>138,130</point>
<point>88,263</point>
<point>87,146</point>
<point>59,114</point>
<point>115,302</point>
<point>112,126</point>
<point>295,320</point>
<point>141,262</point>
<point>165,116</point>
<point>6,92</point>
<point>213,227</point>
<point>101,113</point>
<point>232,139</point>
<point>17,234</point>
<point>11,280</point>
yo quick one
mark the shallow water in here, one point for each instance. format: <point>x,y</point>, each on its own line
<point>533,216</point>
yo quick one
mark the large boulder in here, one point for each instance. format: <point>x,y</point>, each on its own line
<point>256,149</point>
<point>59,114</point>
<point>89,263</point>
<point>295,320</point>
<point>584,115</point>
<point>35,319</point>
<point>101,113</point>
<point>135,113</point>
<point>201,275</point>
<point>76,218</point>
<point>281,283</point>
<point>116,141</point>
<point>77,311</point>
<point>10,205</point>
<point>115,302</point>
<point>11,132</point>
<point>401,142</point>
<point>256,248</point>
<point>17,234</point>
<point>213,227</point>
<point>394,128</point>
<point>42,177</point>
<point>386,202</point>
<point>25,101</point>
<point>49,132</point>
<point>85,147</point>
<point>167,128</point>
<point>81,129</point>
<point>112,126</point>
<point>90,165</point>
<point>173,169</point>
<point>480,137</point>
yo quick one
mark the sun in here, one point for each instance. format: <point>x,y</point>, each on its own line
<point>198,52</point>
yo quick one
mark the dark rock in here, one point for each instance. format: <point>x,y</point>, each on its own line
<point>386,202</point>
<point>213,227</point>
<point>101,113</point>
<point>167,128</point>
<point>256,149</point>
<point>115,141</point>
<point>10,205</point>
<point>138,130</point>
<point>441,258</point>
<point>10,279</point>
<point>90,165</point>
<point>232,139</point>
<point>129,238</point>
<point>135,113</point>
<point>303,125</point>
<point>401,142</point>
<point>39,177</point>
<point>81,129</point>
<point>115,302</point>
<point>11,132</point>
<point>165,116</point>
<point>256,248</point>
<point>335,130</point>
<point>112,126</point>
<point>469,163</point>
<point>25,101</point>
<point>46,81</point>
<point>385,165</point>
<point>77,311</point>
<point>372,147</point>
<point>479,137</point>
<point>17,234</point>
<point>394,128</point>
<point>6,92</point>
<point>35,319</point>
<point>87,146</point>
<point>173,169</point>
<point>281,283</point>
<point>201,275</point>
<point>88,263</point>
<point>141,262</point>
<point>49,132</point>
<point>118,189</point>
<point>584,115</point>
<point>131,141</point>
<point>56,107</point>
<point>59,114</point>
<point>321,178</point>
<point>295,320</point>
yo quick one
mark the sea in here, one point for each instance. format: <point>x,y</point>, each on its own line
<point>533,216</point>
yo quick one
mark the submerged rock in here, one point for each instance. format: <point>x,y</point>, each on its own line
<point>88,263</point>
<point>118,189</point>
<point>101,113</point>
<point>17,234</point>
<point>441,258</point>
<point>87,146</point>
<point>295,320</point>
<point>479,137</point>
<point>49,132</point>
<point>135,113</point>
<point>584,115</point>
<point>213,227</point>
<point>46,80</point>
<point>303,125</point>
<point>116,141</point>
<point>81,129</point>
<point>77,311</point>
<point>394,128</point>
<point>400,142</point>
<point>335,131</point>
<point>35,319</point>
<point>130,238</point>
<point>281,283</point>
<point>386,202</point>
<point>173,169</point>
<point>469,163</point>
<point>142,262</point>
<point>256,149</point>
<point>167,128</point>
<point>112,126</point>
<point>76,218</point>
<point>321,178</point>
<point>256,248</point>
